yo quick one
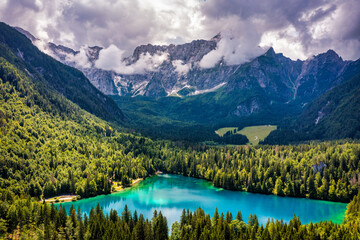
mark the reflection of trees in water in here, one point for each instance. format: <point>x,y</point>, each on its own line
<point>170,194</point>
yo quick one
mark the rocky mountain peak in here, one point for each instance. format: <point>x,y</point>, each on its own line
<point>270,52</point>
<point>279,77</point>
<point>332,53</point>
<point>328,57</point>
<point>217,37</point>
<point>57,48</point>
<point>93,53</point>
<point>187,52</point>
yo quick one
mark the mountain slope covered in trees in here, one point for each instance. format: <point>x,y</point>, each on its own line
<point>50,146</point>
<point>68,81</point>
<point>334,115</point>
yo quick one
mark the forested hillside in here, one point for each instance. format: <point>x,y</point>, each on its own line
<point>66,150</point>
<point>334,115</point>
<point>50,146</point>
<point>66,80</point>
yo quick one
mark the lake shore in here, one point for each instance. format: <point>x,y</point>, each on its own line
<point>61,198</point>
<point>73,198</point>
<point>178,192</point>
<point>120,188</point>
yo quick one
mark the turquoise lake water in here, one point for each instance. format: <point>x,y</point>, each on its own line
<point>172,193</point>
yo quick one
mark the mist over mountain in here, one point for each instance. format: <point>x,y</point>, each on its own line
<point>66,80</point>
<point>158,71</point>
<point>184,79</point>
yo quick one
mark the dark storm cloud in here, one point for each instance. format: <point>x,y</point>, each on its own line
<point>275,15</point>
<point>105,23</point>
<point>299,28</point>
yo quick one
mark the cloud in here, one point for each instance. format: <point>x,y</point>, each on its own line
<point>180,67</point>
<point>237,45</point>
<point>124,23</point>
<point>298,28</point>
<point>113,58</point>
<point>44,47</point>
<point>80,59</point>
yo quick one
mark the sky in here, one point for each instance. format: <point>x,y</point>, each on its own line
<point>297,28</point>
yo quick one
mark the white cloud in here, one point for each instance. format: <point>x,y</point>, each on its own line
<point>112,58</point>
<point>80,59</point>
<point>290,45</point>
<point>180,67</point>
<point>43,46</point>
<point>239,43</point>
<point>320,25</point>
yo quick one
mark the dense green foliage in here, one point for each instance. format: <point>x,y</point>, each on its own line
<point>50,146</point>
<point>26,219</point>
<point>285,171</point>
<point>74,152</point>
<point>193,118</point>
<point>68,81</point>
<point>237,139</point>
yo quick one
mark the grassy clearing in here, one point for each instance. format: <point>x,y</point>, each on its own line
<point>253,133</point>
<point>222,131</point>
<point>257,133</point>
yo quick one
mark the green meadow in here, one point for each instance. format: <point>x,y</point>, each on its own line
<point>255,134</point>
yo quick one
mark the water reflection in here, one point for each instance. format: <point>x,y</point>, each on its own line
<point>172,193</point>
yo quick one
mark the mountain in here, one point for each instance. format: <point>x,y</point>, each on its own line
<point>176,95</point>
<point>334,115</point>
<point>271,78</point>
<point>66,80</point>
<point>266,90</point>
<point>180,73</point>
<point>273,73</point>
<point>167,79</point>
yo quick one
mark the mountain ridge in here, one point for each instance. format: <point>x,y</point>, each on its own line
<point>333,115</point>
<point>68,81</point>
<point>263,90</point>
<point>166,81</point>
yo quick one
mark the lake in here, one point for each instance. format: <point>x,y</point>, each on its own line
<point>172,193</point>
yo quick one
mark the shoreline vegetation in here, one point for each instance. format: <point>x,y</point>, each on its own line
<point>57,224</point>
<point>74,198</point>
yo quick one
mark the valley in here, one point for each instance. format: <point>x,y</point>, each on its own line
<point>175,98</point>
<point>175,139</point>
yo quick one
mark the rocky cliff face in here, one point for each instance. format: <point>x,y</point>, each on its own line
<point>174,74</point>
<point>266,80</point>
<point>284,80</point>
